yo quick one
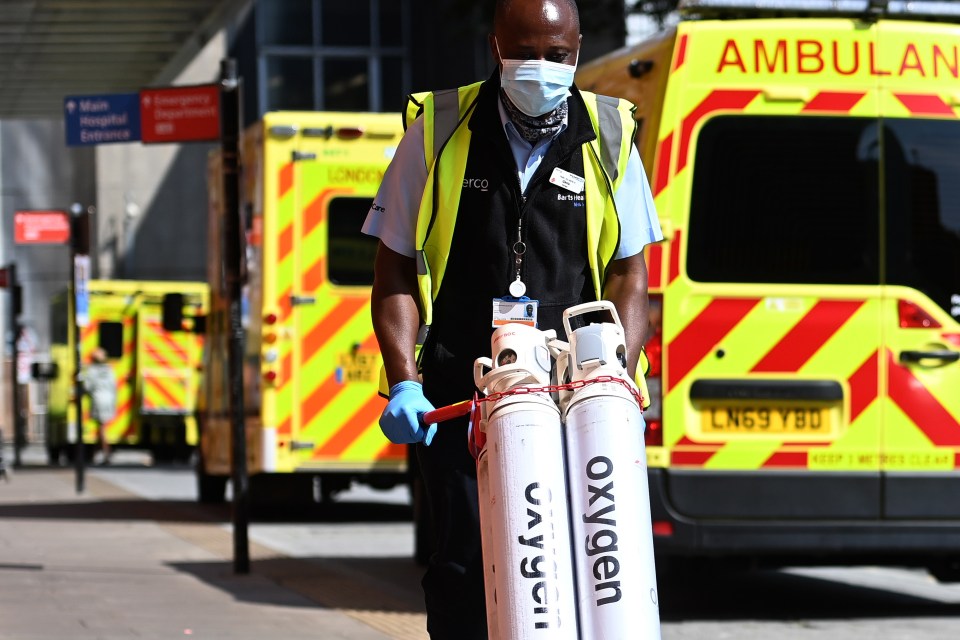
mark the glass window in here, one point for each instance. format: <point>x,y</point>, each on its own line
<point>346,82</point>
<point>785,200</point>
<point>391,22</point>
<point>345,23</point>
<point>110,338</point>
<point>290,83</point>
<point>286,22</point>
<point>922,168</point>
<point>350,253</point>
<point>391,85</point>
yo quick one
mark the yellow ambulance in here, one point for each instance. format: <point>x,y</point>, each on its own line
<point>157,368</point>
<point>311,360</point>
<point>805,162</point>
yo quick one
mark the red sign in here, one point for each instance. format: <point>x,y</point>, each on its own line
<point>180,114</point>
<point>41,227</point>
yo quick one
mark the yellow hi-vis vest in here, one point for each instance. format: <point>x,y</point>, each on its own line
<point>446,143</point>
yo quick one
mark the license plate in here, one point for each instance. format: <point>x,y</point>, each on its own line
<point>359,367</point>
<point>774,420</point>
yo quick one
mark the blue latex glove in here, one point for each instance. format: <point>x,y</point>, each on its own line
<point>401,421</point>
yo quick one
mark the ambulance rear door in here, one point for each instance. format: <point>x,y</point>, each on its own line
<point>335,360</point>
<point>113,328</point>
<point>920,101</point>
<point>772,309</point>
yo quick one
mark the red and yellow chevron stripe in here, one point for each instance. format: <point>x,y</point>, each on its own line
<point>168,369</point>
<point>323,397</point>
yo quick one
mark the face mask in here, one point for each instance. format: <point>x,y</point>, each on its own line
<point>536,87</point>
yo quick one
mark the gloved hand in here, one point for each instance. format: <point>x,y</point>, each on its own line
<point>401,420</point>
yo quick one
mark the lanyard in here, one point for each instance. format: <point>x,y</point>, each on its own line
<point>517,288</point>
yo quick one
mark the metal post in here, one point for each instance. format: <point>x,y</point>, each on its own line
<point>18,431</point>
<point>230,151</point>
<point>79,240</point>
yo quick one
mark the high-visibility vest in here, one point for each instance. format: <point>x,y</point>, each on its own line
<point>446,144</point>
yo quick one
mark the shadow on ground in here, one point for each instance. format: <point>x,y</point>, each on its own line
<point>356,584</point>
<point>188,511</point>
<point>726,594</point>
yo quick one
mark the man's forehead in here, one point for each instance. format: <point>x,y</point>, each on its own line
<point>537,15</point>
<point>551,12</point>
<point>518,31</point>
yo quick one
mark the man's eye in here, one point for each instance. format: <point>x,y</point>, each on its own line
<point>558,57</point>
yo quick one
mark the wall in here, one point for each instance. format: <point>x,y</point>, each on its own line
<point>151,199</point>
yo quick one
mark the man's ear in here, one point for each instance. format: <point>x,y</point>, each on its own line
<point>492,42</point>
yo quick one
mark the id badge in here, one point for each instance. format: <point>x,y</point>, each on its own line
<point>518,310</point>
<point>566,180</point>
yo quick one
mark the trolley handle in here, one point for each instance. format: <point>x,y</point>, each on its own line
<point>589,307</point>
<point>448,412</point>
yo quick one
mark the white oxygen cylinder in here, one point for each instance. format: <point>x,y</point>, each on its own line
<point>486,543</point>
<point>524,518</point>
<point>609,495</point>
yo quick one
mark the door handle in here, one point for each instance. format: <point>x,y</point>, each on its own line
<point>944,355</point>
<point>297,300</point>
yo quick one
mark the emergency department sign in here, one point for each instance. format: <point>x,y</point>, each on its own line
<point>180,114</point>
<point>41,227</point>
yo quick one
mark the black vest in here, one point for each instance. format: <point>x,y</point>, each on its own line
<point>481,264</point>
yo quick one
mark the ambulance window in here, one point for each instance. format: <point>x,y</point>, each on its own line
<point>350,253</point>
<point>922,170</point>
<point>785,200</point>
<point>110,339</point>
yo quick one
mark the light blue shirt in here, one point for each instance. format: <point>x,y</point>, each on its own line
<point>393,216</point>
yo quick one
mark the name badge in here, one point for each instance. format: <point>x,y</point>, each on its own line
<point>516,310</point>
<point>567,180</point>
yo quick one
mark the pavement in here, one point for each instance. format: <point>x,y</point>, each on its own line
<point>108,563</point>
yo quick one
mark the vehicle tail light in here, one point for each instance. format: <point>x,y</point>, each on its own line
<point>913,317</point>
<point>662,528</point>
<point>653,436</point>
<point>349,133</point>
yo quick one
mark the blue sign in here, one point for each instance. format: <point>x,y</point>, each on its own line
<point>81,281</point>
<point>102,119</point>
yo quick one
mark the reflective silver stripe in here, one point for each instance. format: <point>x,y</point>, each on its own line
<point>446,115</point>
<point>421,262</point>
<point>611,132</point>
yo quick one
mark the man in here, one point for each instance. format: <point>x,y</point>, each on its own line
<point>513,197</point>
<point>100,383</point>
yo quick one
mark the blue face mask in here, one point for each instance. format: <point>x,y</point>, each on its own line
<point>536,87</point>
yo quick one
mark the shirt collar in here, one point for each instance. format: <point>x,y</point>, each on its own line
<point>511,129</point>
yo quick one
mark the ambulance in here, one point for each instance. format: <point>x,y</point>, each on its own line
<point>805,323</point>
<point>157,368</point>
<point>311,360</point>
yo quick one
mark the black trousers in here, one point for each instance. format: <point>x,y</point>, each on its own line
<point>453,583</point>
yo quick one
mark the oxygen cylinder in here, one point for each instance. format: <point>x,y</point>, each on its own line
<point>609,495</point>
<point>486,544</point>
<point>524,518</point>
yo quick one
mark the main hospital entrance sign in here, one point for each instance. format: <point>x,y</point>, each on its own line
<point>165,114</point>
